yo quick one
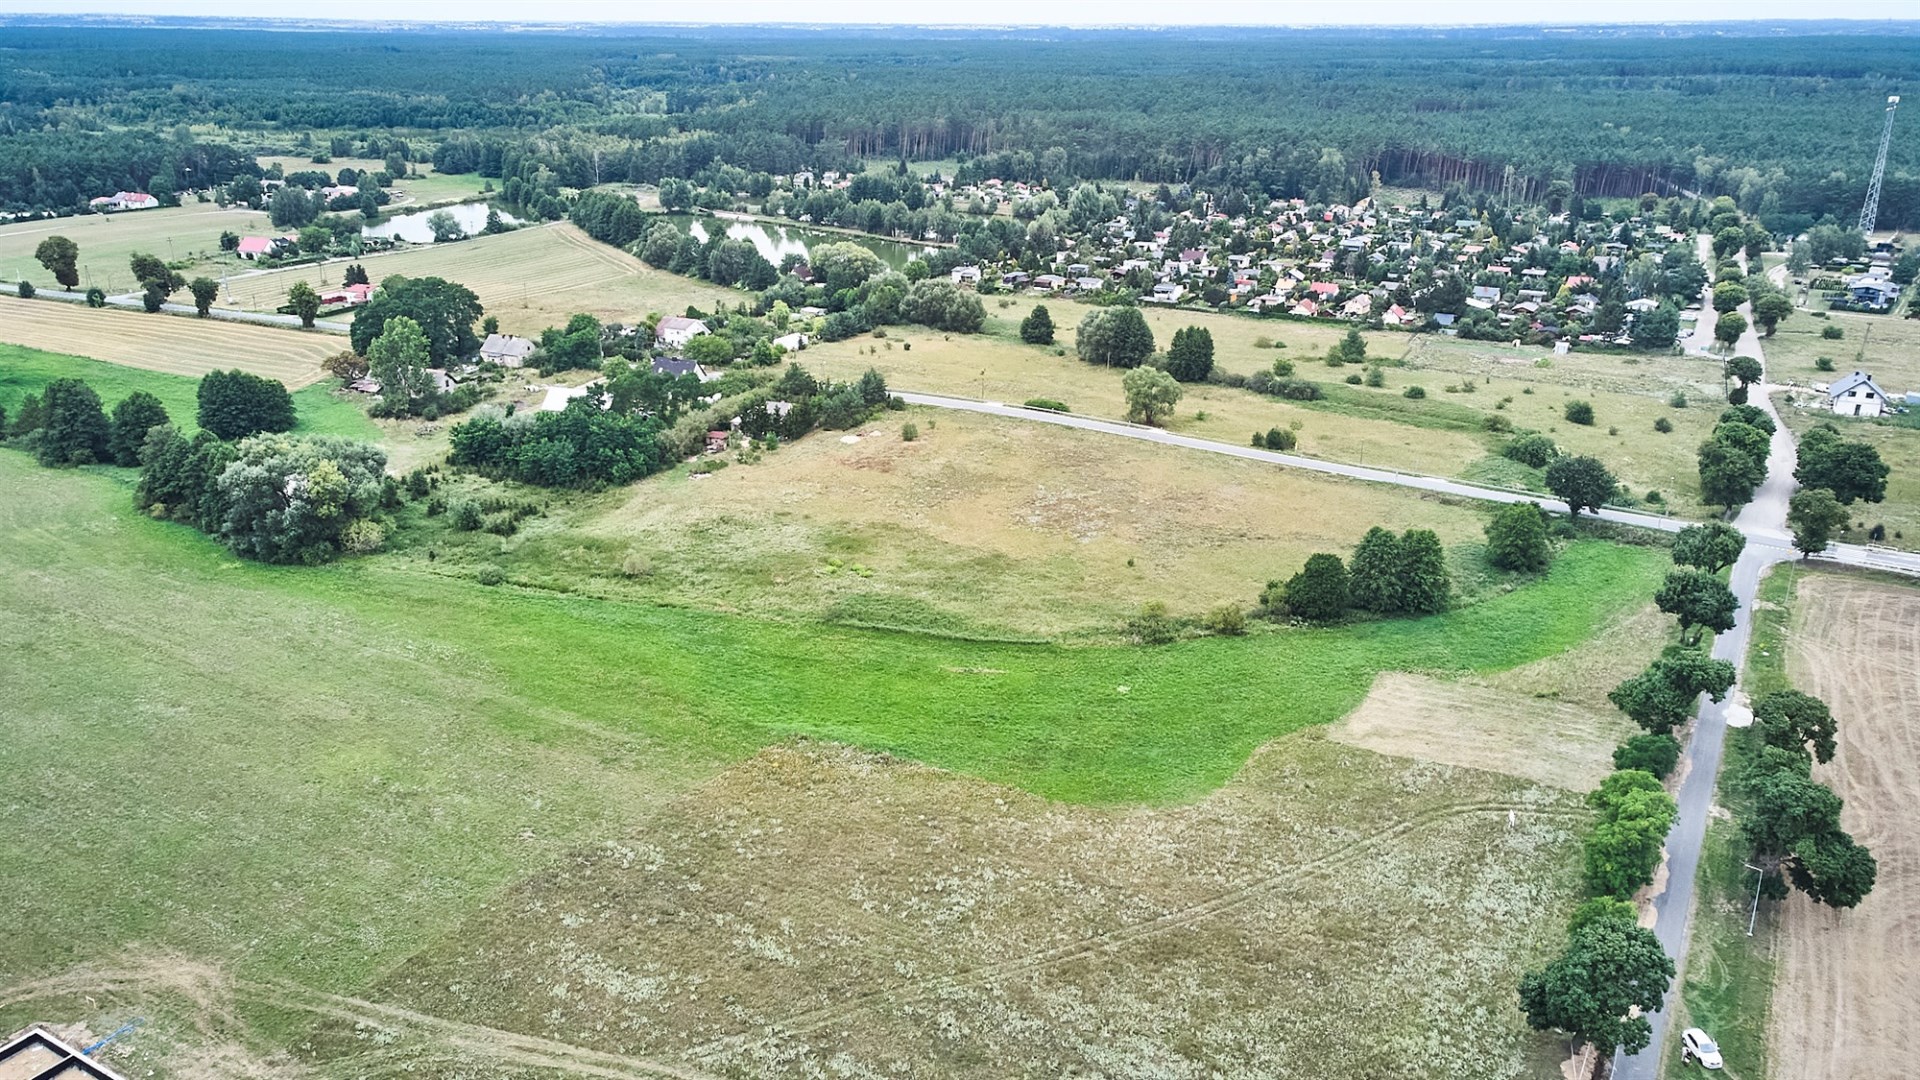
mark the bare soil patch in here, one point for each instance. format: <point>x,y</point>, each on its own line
<point>1847,998</point>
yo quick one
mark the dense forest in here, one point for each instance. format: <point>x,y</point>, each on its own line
<point>1786,125</point>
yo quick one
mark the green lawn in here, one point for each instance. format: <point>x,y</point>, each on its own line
<point>26,371</point>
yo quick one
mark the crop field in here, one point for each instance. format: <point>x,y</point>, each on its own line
<point>1899,447</point>
<point>28,371</point>
<point>283,797</point>
<point>1442,434</point>
<point>107,241</point>
<point>167,343</point>
<point>1848,981</point>
<point>531,278</point>
<point>1885,346</point>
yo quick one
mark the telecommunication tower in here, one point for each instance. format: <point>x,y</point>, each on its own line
<point>1870,210</point>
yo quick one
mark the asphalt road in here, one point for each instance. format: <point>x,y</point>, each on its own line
<point>132,302</point>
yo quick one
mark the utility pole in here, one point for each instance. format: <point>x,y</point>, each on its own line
<point>1870,210</point>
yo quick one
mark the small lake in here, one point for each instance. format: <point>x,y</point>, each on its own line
<point>414,230</point>
<point>775,241</point>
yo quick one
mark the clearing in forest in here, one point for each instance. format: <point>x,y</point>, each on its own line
<point>1848,992</point>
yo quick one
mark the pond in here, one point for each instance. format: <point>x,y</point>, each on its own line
<point>413,227</point>
<point>775,241</point>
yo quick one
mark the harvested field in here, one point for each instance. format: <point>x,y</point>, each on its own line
<point>531,278</point>
<point>1847,1000</point>
<point>106,242</point>
<point>169,343</point>
<point>979,931</point>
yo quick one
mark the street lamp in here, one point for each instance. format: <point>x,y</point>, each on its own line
<point>1759,877</point>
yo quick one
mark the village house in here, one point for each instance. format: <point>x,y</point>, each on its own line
<point>347,296</point>
<point>674,331</point>
<point>673,367</point>
<point>123,200</point>
<point>506,350</point>
<point>1856,395</point>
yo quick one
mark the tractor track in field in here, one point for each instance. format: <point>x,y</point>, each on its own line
<point>1218,904</point>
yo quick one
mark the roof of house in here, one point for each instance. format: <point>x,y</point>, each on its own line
<point>680,322</point>
<point>256,245</point>
<point>505,345</point>
<point>37,1053</point>
<point>1848,382</point>
<point>674,367</point>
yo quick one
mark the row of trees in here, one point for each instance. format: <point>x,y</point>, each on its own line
<point>66,425</point>
<point>1387,575</point>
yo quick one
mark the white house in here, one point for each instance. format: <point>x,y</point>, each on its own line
<point>1856,395</point>
<point>966,275</point>
<point>124,200</point>
<point>792,342</point>
<point>505,350</point>
<point>674,331</point>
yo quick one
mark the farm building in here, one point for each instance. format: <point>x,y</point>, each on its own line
<point>675,331</point>
<point>1856,395</point>
<point>38,1054</point>
<point>505,350</point>
<point>123,200</point>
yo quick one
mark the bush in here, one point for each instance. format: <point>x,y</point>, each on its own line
<point>25,289</point>
<point>1677,401</point>
<point>1227,620</point>
<point>909,432</point>
<point>1662,425</point>
<point>1832,333</point>
<point>489,575</point>
<point>1499,425</point>
<point>1280,439</point>
<point>1656,754</point>
<point>1376,377</point>
<point>1531,448</point>
<point>1320,592</point>
<point>1048,404</point>
<point>1579,412</point>
<point>1414,392</point>
<point>466,516</point>
<point>1824,363</point>
<point>1353,380</point>
<point>1517,538</point>
<point>1153,626</point>
<point>363,537</point>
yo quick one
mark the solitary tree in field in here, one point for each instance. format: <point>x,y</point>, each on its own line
<point>1190,357</point>
<point>1700,600</point>
<point>1151,394</point>
<point>205,291</point>
<point>1812,515</point>
<point>1610,968</point>
<point>61,257</point>
<point>1583,483</point>
<point>1711,547</point>
<point>1037,327</point>
<point>304,302</point>
<point>1115,336</point>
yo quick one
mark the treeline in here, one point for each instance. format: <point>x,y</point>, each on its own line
<point>1789,124</point>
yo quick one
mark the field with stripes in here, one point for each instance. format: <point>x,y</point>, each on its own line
<point>531,278</point>
<point>169,343</point>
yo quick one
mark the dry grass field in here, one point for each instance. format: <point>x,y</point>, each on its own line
<point>931,925</point>
<point>1443,434</point>
<point>1887,346</point>
<point>107,241</point>
<point>981,525</point>
<point>531,278</point>
<point>169,343</point>
<point>1847,998</point>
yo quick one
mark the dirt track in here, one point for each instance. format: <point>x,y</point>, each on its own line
<point>1848,992</point>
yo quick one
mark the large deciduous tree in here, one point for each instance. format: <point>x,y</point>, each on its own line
<point>1114,336</point>
<point>1600,988</point>
<point>205,291</point>
<point>1812,516</point>
<point>74,430</point>
<point>1037,327</point>
<point>137,414</point>
<point>1700,600</point>
<point>1583,483</point>
<point>446,312</point>
<point>1320,591</point>
<point>1517,538</point>
<point>1792,720</point>
<point>291,499</point>
<point>1728,474</point>
<point>1851,470</point>
<point>1190,356</point>
<point>398,360</point>
<point>61,257</point>
<point>1662,697</point>
<point>304,302</point>
<point>1711,547</point>
<point>1151,394</point>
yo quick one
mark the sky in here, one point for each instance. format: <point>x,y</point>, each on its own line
<point>966,12</point>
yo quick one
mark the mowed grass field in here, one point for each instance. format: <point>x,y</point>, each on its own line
<point>275,784</point>
<point>1443,434</point>
<point>1885,346</point>
<point>980,526</point>
<point>107,241</point>
<point>320,411</point>
<point>171,344</point>
<point>531,278</point>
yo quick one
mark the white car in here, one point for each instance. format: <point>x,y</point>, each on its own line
<point>1695,1045</point>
